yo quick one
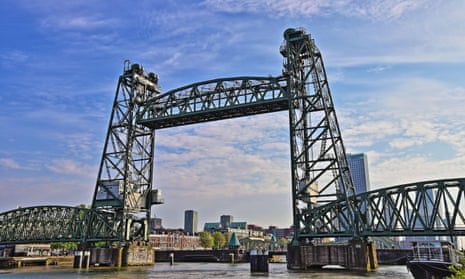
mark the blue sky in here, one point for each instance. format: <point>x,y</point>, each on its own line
<point>395,70</point>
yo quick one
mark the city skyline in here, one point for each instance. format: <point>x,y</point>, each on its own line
<point>394,69</point>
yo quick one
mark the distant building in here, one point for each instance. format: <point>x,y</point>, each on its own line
<point>280,233</point>
<point>174,240</point>
<point>226,221</point>
<point>212,226</point>
<point>190,222</point>
<point>226,224</point>
<point>358,165</point>
<point>155,224</point>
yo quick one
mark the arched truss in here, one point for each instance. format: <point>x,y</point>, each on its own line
<point>57,224</point>
<point>215,100</point>
<point>430,208</point>
<point>433,208</point>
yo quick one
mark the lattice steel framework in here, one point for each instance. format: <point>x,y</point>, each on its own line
<point>429,208</point>
<point>124,183</point>
<point>320,172</point>
<point>215,100</point>
<point>57,223</point>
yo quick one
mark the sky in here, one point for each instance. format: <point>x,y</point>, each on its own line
<point>395,69</point>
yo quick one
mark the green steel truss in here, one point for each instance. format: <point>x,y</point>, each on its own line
<point>57,224</point>
<point>320,172</point>
<point>124,183</point>
<point>324,200</point>
<point>215,100</point>
<point>433,208</point>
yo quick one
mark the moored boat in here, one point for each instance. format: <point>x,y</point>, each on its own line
<point>432,259</point>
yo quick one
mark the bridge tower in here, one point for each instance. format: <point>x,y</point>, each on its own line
<point>320,170</point>
<point>124,182</point>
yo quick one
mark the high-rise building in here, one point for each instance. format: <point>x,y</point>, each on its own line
<point>226,221</point>
<point>190,221</point>
<point>358,165</point>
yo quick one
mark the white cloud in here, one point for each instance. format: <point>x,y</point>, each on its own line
<point>407,169</point>
<point>379,9</point>
<point>71,22</point>
<point>9,163</point>
<point>70,167</point>
<point>13,58</point>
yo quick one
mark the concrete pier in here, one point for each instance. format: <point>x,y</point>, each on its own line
<point>355,255</point>
<point>258,261</point>
<point>135,254</point>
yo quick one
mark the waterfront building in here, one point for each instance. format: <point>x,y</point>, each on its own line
<point>174,240</point>
<point>190,221</point>
<point>280,233</point>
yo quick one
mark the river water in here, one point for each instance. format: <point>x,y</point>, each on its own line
<point>193,270</point>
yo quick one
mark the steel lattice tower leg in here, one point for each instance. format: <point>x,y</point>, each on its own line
<point>320,171</point>
<point>124,183</point>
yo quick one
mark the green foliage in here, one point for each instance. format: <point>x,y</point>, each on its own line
<point>227,237</point>
<point>218,240</point>
<point>100,244</point>
<point>459,271</point>
<point>283,242</point>
<point>64,246</point>
<point>206,240</point>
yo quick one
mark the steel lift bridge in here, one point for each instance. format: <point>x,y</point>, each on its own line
<point>324,201</point>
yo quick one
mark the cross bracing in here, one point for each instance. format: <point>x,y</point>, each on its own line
<point>216,99</point>
<point>57,224</point>
<point>430,208</point>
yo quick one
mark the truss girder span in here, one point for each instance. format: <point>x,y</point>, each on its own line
<point>44,224</point>
<point>216,99</point>
<point>430,208</point>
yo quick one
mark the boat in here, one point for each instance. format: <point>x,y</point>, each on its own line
<point>432,259</point>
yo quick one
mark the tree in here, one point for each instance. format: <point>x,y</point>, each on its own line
<point>283,243</point>
<point>64,246</point>
<point>206,240</point>
<point>459,271</point>
<point>218,240</point>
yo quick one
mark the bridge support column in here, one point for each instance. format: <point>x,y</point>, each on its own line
<point>354,255</point>
<point>362,255</point>
<point>139,254</point>
<point>135,254</point>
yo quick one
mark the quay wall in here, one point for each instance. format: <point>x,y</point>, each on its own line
<point>393,256</point>
<point>200,256</point>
